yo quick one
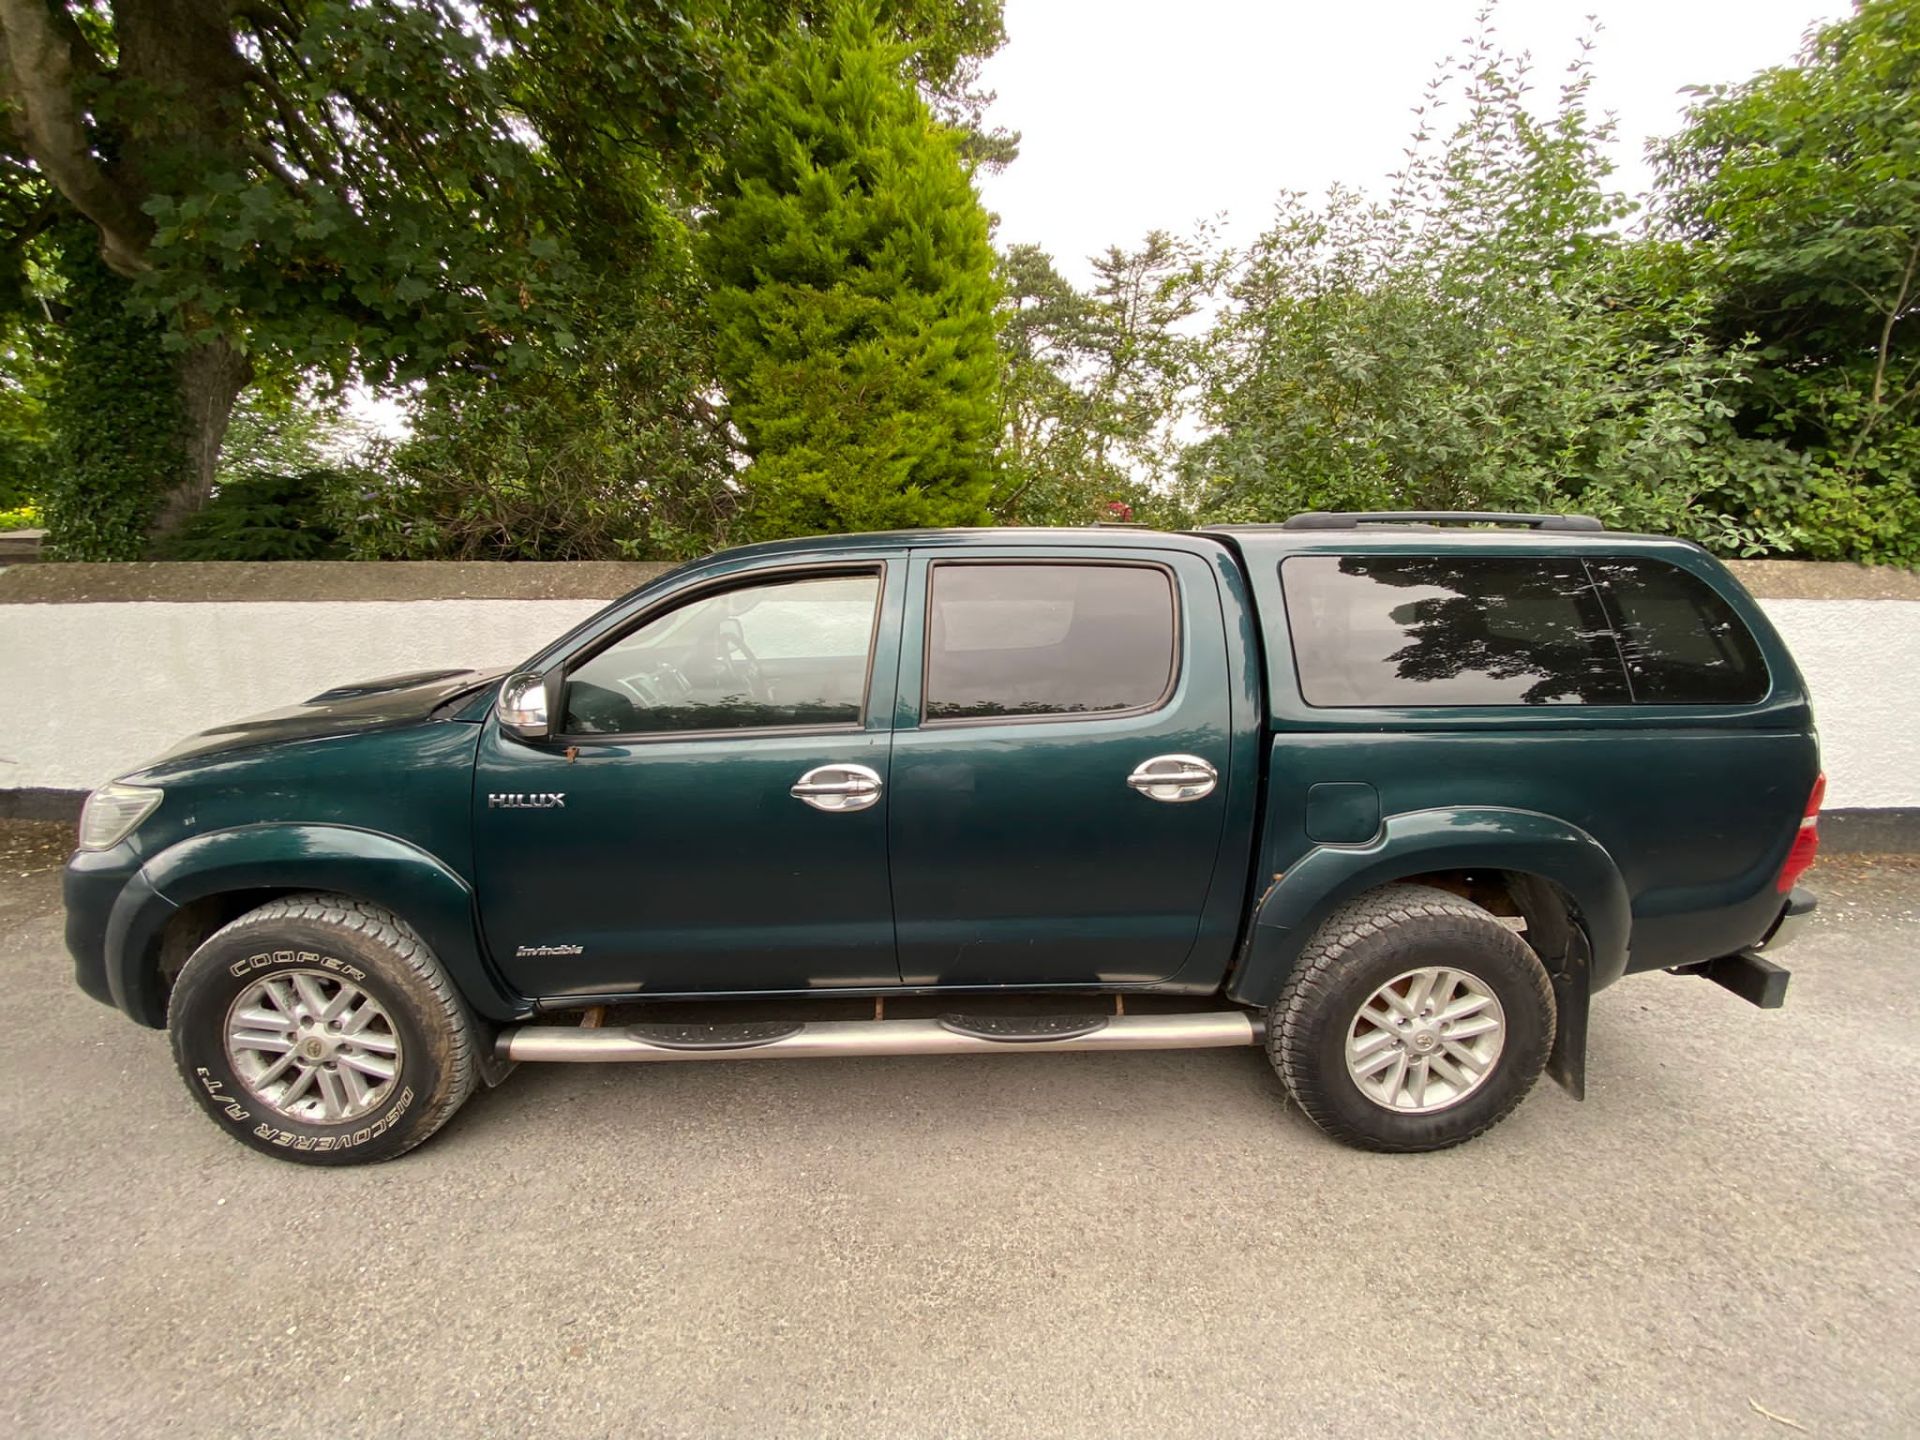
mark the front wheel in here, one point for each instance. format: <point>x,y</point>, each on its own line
<point>1413,1020</point>
<point>321,1029</point>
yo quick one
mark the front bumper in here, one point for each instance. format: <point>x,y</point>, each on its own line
<point>94,881</point>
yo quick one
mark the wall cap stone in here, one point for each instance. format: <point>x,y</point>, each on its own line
<point>83,583</point>
<point>77,583</point>
<point>1825,580</point>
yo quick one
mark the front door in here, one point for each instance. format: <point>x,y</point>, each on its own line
<point>721,769</point>
<point>1059,776</point>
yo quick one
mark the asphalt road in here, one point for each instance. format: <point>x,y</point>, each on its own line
<point>1724,1239</point>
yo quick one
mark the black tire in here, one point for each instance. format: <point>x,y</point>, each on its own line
<point>331,939</point>
<point>1367,943</point>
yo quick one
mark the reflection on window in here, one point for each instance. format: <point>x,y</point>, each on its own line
<point>1034,639</point>
<point>1449,630</point>
<point>1682,643</point>
<point>788,653</point>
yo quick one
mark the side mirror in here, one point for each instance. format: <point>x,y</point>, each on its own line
<point>526,704</point>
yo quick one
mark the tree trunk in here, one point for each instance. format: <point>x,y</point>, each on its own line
<point>212,375</point>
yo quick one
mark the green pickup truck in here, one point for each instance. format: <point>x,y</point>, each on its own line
<point>1389,795</point>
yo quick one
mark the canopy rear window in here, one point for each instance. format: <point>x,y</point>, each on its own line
<point>1498,630</point>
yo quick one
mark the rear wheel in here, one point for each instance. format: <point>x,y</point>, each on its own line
<point>1413,1020</point>
<point>322,1029</point>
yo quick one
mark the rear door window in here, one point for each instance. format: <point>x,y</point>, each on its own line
<point>1023,639</point>
<point>1681,642</point>
<point>1449,630</point>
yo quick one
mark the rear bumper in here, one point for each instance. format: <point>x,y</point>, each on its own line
<point>1755,977</point>
<point>1793,918</point>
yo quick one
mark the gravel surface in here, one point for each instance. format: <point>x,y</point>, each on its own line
<point>1722,1241</point>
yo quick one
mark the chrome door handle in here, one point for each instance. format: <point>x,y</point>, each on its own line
<point>1174,778</point>
<point>835,788</point>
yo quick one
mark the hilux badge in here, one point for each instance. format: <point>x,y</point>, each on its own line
<point>527,802</point>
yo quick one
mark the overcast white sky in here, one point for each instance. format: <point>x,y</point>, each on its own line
<point>1144,114</point>
<point>1156,114</point>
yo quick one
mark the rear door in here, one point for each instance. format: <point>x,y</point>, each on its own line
<point>1059,774</point>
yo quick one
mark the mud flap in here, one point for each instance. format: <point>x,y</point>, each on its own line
<point>493,1067</point>
<point>1572,997</point>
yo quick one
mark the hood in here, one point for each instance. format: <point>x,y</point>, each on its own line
<point>344,710</point>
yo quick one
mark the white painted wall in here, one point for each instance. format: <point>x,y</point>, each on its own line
<point>93,690</point>
<point>1862,663</point>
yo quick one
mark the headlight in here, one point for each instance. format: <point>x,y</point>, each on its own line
<point>112,812</point>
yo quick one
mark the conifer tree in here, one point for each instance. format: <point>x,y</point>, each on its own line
<point>853,295</point>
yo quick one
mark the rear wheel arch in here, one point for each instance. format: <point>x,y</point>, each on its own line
<point>1551,920</point>
<point>1554,875</point>
<point>1550,912</point>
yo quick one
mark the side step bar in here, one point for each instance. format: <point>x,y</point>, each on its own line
<point>948,1035</point>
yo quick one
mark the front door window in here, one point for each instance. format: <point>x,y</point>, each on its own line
<point>791,653</point>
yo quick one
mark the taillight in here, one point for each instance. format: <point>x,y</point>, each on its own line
<point>1806,844</point>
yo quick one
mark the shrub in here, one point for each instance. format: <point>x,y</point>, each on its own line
<point>263,516</point>
<point>853,296</point>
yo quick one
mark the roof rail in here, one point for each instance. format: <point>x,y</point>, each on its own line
<point>1353,519</point>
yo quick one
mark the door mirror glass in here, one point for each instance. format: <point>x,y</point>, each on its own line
<point>523,706</point>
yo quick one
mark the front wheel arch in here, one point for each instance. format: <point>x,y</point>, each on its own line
<point>220,870</point>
